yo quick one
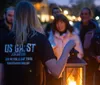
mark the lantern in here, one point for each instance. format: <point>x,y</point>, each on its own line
<point>74,73</point>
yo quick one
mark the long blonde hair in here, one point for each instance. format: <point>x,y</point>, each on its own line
<point>25,20</point>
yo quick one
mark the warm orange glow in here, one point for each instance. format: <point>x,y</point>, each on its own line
<point>72,83</point>
<point>37,6</point>
<point>74,76</point>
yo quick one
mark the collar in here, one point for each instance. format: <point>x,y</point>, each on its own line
<point>66,34</point>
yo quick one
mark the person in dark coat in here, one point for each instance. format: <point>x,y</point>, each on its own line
<point>84,28</point>
<point>5,27</point>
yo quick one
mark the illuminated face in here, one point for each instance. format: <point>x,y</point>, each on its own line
<point>85,16</point>
<point>61,26</point>
<point>9,16</point>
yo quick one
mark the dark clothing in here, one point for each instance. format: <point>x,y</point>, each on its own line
<point>83,30</point>
<point>4,30</point>
<point>86,28</point>
<point>48,29</point>
<point>95,51</point>
<point>51,80</point>
<point>92,64</point>
<point>22,62</point>
<point>97,75</point>
<point>95,43</point>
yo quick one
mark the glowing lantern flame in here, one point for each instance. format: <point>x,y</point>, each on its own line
<point>72,83</point>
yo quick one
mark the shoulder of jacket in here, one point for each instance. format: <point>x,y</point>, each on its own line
<point>73,34</point>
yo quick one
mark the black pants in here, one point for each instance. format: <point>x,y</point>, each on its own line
<point>51,80</point>
<point>91,71</point>
<point>97,77</point>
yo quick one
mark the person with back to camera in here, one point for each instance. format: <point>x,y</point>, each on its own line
<point>25,47</point>
<point>85,30</point>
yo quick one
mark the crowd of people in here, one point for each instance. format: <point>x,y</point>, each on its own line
<point>32,55</point>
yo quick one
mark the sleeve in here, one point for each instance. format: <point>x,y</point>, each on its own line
<point>9,38</point>
<point>45,50</point>
<point>1,50</point>
<point>78,46</point>
<point>1,59</point>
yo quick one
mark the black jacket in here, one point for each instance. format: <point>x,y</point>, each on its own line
<point>4,30</point>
